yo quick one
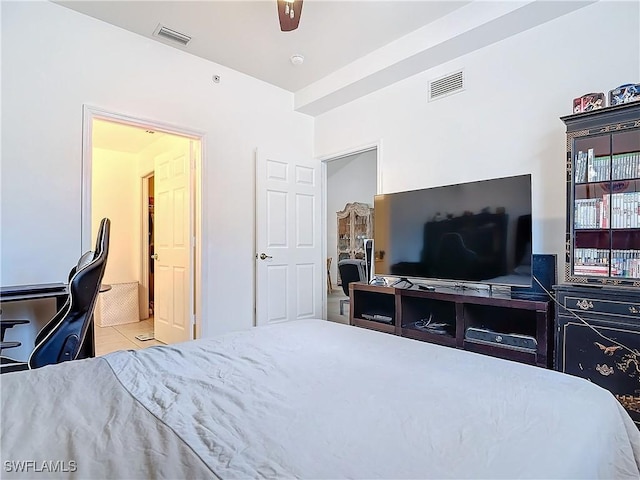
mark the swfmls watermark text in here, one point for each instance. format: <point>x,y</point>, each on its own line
<point>40,466</point>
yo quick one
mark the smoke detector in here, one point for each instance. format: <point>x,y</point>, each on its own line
<point>297,59</point>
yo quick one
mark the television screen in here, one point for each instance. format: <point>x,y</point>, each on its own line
<point>477,232</point>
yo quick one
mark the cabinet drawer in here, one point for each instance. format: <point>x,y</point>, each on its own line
<point>596,320</point>
<point>617,308</point>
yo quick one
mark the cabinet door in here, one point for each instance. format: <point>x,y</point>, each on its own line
<point>360,228</point>
<point>606,206</point>
<point>591,215</point>
<point>344,234</point>
<point>625,205</point>
<point>354,227</point>
<point>605,354</point>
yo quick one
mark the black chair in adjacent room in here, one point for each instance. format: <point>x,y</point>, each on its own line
<point>61,338</point>
<point>351,271</point>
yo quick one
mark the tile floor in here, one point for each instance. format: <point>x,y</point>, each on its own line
<point>333,306</point>
<point>122,337</point>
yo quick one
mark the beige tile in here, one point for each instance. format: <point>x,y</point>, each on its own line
<point>112,345</point>
<point>333,306</point>
<point>123,337</point>
<point>133,329</point>
<point>146,343</point>
<point>106,333</point>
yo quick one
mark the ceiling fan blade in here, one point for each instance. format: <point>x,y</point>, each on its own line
<point>287,23</point>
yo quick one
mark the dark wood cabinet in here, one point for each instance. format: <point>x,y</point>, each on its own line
<point>598,310</point>
<point>489,323</point>
<point>598,338</point>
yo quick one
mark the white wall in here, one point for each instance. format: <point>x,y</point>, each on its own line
<point>115,195</point>
<point>349,179</point>
<point>54,61</point>
<point>506,122</point>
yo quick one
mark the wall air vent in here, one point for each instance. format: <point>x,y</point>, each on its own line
<point>447,85</point>
<point>172,35</point>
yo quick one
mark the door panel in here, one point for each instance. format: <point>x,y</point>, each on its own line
<point>172,223</point>
<point>277,299</point>
<point>306,292</point>
<point>289,279</point>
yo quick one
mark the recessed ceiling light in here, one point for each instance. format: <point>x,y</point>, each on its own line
<point>297,59</point>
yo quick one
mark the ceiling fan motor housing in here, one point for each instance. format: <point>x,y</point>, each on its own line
<point>289,14</point>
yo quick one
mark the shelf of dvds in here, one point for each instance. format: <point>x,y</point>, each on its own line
<point>603,196</point>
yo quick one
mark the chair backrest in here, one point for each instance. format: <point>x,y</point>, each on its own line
<point>352,271</point>
<point>60,340</point>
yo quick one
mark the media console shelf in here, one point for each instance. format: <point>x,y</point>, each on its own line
<point>491,324</point>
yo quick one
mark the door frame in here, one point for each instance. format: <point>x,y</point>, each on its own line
<point>146,254</point>
<point>198,232</point>
<point>324,159</point>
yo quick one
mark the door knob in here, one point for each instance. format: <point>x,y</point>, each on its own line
<point>264,256</point>
<point>154,256</point>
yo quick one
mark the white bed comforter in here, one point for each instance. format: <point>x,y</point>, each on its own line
<point>317,400</point>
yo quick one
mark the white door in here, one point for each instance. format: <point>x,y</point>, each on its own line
<point>289,272</point>
<point>172,303</point>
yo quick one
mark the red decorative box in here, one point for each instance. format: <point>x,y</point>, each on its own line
<point>588,102</point>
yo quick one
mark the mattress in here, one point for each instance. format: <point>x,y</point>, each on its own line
<point>310,399</point>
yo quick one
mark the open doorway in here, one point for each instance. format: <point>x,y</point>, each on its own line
<point>352,183</point>
<point>147,285</point>
<point>148,202</point>
<point>127,163</point>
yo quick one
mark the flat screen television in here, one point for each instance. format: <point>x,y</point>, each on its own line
<point>476,232</point>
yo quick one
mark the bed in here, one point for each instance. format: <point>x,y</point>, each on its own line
<point>310,399</point>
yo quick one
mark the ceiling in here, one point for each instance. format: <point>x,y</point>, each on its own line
<point>351,48</point>
<point>245,35</point>
<point>122,138</point>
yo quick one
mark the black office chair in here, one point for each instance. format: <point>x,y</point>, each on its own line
<point>351,271</point>
<point>61,338</point>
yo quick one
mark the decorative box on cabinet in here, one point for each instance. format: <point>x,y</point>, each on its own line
<point>404,311</point>
<point>598,338</point>
<point>603,196</point>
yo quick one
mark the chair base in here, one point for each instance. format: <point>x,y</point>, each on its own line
<point>343,302</point>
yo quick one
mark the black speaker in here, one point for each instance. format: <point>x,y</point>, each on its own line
<point>368,253</point>
<point>544,269</point>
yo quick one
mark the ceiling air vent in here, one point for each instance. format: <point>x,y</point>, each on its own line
<point>446,85</point>
<point>172,35</point>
